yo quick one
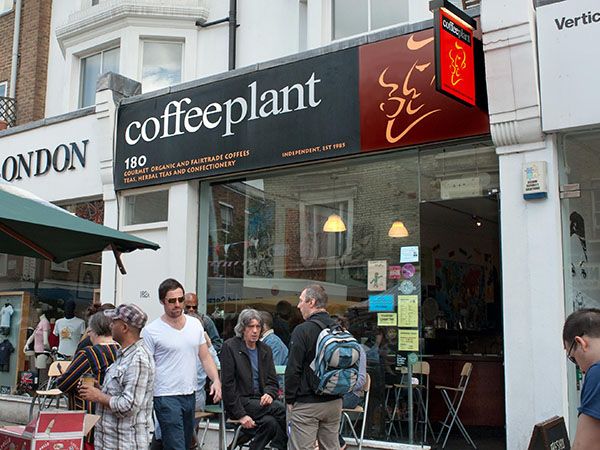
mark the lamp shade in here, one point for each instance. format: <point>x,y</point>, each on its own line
<point>334,224</point>
<point>398,230</point>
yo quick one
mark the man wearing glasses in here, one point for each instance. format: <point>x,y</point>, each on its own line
<point>191,306</point>
<point>174,339</point>
<point>581,338</point>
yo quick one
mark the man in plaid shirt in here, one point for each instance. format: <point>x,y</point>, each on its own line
<point>125,400</point>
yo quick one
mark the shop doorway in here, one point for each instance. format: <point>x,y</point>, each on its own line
<point>462,313</point>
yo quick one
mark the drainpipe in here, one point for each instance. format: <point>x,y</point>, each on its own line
<point>232,19</point>
<point>15,53</point>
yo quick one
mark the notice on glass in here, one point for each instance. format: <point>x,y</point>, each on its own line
<point>409,254</point>
<point>381,303</point>
<point>376,276</point>
<point>386,319</point>
<point>408,340</point>
<point>408,311</point>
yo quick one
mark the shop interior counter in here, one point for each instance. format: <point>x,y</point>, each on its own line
<point>483,403</point>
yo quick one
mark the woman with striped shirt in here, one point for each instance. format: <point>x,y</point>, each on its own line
<point>94,359</point>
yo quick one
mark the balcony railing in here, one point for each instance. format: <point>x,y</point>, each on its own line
<point>8,111</point>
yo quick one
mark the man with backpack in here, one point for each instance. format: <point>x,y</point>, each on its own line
<point>314,413</point>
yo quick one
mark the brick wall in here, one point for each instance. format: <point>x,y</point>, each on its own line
<point>33,57</point>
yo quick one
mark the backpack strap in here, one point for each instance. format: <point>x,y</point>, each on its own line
<point>319,323</point>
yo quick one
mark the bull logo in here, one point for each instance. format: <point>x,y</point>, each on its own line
<point>458,57</point>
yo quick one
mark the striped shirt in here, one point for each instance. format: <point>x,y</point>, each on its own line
<point>130,383</point>
<point>96,360</point>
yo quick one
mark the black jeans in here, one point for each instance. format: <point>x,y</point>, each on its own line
<point>270,424</point>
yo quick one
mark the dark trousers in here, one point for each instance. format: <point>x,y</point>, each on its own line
<point>270,424</point>
<point>175,414</point>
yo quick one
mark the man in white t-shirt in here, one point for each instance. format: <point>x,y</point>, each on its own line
<point>174,339</point>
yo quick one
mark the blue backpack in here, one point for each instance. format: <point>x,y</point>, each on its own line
<point>336,360</point>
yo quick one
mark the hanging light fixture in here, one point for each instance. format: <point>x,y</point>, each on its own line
<point>398,230</point>
<point>334,224</point>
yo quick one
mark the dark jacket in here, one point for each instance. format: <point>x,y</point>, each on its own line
<point>236,375</point>
<point>299,377</point>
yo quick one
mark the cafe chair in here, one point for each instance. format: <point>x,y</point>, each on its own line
<point>457,394</point>
<point>361,411</point>
<point>48,392</point>
<point>421,370</point>
<point>203,416</point>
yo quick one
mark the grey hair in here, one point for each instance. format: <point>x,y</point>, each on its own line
<point>317,292</point>
<point>100,324</point>
<point>244,319</point>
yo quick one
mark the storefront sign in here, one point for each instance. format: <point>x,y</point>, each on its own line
<point>454,56</point>
<point>373,97</point>
<point>568,72</point>
<point>303,111</point>
<point>35,163</point>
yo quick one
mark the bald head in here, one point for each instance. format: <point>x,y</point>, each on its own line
<point>191,302</point>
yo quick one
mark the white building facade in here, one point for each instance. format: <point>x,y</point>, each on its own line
<point>531,245</point>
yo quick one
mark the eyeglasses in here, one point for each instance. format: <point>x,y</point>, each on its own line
<point>176,299</point>
<point>570,350</point>
<point>195,307</point>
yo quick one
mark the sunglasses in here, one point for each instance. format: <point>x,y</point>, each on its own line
<point>569,357</point>
<point>195,307</point>
<point>175,299</point>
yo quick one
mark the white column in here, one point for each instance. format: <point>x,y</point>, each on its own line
<point>533,296</point>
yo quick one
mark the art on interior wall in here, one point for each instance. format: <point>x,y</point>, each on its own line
<point>88,280</point>
<point>259,248</point>
<point>353,265</point>
<point>461,293</point>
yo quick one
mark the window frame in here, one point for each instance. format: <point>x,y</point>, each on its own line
<point>81,75</point>
<point>160,40</point>
<point>369,23</point>
<point>5,85</point>
<point>124,217</point>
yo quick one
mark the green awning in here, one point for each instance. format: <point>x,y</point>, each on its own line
<point>33,227</point>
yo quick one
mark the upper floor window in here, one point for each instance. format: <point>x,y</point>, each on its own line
<point>91,67</point>
<point>352,17</point>
<point>161,64</point>
<point>3,89</point>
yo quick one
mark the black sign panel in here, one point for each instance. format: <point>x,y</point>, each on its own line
<point>550,435</point>
<point>302,111</point>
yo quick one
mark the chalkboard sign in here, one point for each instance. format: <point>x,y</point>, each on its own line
<point>550,435</point>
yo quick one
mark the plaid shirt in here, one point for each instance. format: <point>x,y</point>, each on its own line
<point>130,383</point>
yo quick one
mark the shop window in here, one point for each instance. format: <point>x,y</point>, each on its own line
<point>91,67</point>
<point>161,64</point>
<point>3,89</point>
<point>351,17</point>
<point>149,207</point>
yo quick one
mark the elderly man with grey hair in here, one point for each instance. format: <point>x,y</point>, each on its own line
<point>250,384</point>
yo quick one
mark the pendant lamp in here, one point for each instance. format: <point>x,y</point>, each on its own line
<point>334,224</point>
<point>398,230</point>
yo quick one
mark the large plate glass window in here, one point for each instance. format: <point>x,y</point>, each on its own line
<point>161,65</point>
<point>92,66</point>
<point>581,235</point>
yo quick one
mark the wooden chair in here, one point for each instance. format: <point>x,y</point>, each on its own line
<point>202,416</point>
<point>454,404</point>
<point>360,411</point>
<point>44,397</point>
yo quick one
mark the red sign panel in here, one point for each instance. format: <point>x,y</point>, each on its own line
<point>455,68</point>
<point>399,105</point>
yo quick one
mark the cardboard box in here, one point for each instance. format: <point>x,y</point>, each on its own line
<point>51,430</point>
